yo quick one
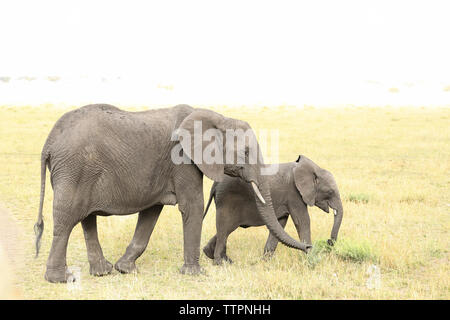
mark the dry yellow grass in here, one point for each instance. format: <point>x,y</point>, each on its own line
<point>392,166</point>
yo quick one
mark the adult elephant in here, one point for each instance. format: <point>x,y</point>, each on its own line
<point>106,161</point>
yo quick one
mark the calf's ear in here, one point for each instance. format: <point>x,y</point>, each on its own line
<point>305,180</point>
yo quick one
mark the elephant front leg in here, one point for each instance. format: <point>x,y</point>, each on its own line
<point>302,222</point>
<point>272,241</point>
<point>144,228</point>
<point>98,265</point>
<point>188,181</point>
<point>192,230</point>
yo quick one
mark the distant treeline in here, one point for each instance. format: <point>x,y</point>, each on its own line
<point>28,78</point>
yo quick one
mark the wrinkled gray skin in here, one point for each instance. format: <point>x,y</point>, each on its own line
<point>106,161</point>
<point>296,185</point>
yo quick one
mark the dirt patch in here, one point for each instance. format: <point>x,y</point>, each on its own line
<point>10,255</point>
<point>9,236</point>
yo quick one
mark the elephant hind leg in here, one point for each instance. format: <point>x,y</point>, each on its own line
<point>220,251</point>
<point>98,265</point>
<point>210,247</point>
<point>70,206</point>
<point>226,222</point>
<point>144,228</point>
<point>210,250</point>
<point>272,242</point>
<point>56,264</point>
<point>63,223</point>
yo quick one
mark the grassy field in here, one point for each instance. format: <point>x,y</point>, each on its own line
<point>392,166</point>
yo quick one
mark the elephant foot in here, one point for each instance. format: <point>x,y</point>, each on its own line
<point>192,269</point>
<point>100,268</point>
<point>227,259</point>
<point>124,266</point>
<point>221,260</point>
<point>218,262</point>
<point>58,275</point>
<point>268,255</point>
<point>209,252</point>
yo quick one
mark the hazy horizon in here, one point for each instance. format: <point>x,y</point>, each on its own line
<point>241,53</point>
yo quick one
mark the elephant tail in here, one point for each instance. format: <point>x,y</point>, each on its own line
<point>211,196</point>
<point>39,226</point>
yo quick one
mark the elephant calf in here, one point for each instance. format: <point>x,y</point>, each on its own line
<point>293,187</point>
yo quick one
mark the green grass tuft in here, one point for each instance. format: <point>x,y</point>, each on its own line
<point>346,250</point>
<point>360,251</point>
<point>358,198</point>
<point>319,250</point>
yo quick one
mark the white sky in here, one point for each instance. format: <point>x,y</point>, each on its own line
<point>245,46</point>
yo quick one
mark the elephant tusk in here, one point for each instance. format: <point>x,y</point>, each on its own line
<point>335,212</point>
<point>258,194</point>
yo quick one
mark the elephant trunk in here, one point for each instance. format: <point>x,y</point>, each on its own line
<point>267,213</point>
<point>338,214</point>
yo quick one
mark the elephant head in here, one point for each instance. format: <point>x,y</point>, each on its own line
<point>224,146</point>
<point>318,187</point>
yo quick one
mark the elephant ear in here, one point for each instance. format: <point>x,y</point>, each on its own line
<point>202,141</point>
<point>305,180</point>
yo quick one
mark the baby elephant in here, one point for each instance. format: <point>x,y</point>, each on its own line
<point>293,187</point>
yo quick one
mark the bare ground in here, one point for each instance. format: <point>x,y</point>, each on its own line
<point>10,255</point>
